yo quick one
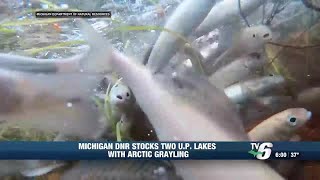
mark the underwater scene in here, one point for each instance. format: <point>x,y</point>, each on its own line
<point>160,70</point>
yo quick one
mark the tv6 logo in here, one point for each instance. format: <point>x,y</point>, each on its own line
<point>263,150</point>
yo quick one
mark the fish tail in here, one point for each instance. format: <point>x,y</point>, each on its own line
<point>97,60</point>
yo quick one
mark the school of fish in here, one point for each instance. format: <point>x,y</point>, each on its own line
<point>153,102</point>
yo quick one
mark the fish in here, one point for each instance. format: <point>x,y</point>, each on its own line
<point>89,61</point>
<point>35,4</point>
<point>239,70</point>
<point>121,96</point>
<point>311,5</point>
<point>225,12</point>
<point>224,42</point>
<point>173,119</point>
<point>309,98</point>
<point>190,87</point>
<point>249,41</point>
<point>155,92</point>
<point>211,51</point>
<point>122,170</point>
<point>120,100</point>
<point>242,92</point>
<point>265,106</point>
<point>42,170</point>
<point>37,65</point>
<point>27,168</point>
<point>134,124</point>
<point>147,55</point>
<point>184,19</point>
<point>196,59</point>
<point>50,102</point>
<point>281,126</point>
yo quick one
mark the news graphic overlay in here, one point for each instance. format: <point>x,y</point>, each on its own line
<point>150,150</point>
<point>261,151</point>
<point>73,14</point>
<point>71,150</point>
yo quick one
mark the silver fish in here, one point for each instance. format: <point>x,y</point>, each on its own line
<point>53,102</point>
<point>250,89</point>
<point>37,65</point>
<point>133,121</point>
<point>28,168</point>
<point>121,96</point>
<point>185,18</point>
<point>173,119</point>
<point>263,107</point>
<point>281,126</point>
<point>90,61</point>
<point>224,42</point>
<point>225,12</point>
<point>238,70</point>
<point>122,170</point>
<point>156,93</point>
<point>310,98</point>
<point>120,100</point>
<point>249,40</point>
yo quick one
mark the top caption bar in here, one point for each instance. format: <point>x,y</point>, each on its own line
<point>73,14</point>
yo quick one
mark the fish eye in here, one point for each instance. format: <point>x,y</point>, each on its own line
<point>254,35</point>
<point>119,97</point>
<point>292,120</point>
<point>266,35</point>
<point>128,94</point>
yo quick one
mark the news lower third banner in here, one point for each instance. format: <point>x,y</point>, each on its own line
<point>160,150</point>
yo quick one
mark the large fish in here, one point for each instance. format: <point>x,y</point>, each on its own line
<point>173,119</point>
<point>226,12</point>
<point>310,98</point>
<point>185,18</point>
<point>239,70</point>
<point>90,61</point>
<point>282,126</point>
<point>37,65</point>
<point>242,92</point>
<point>250,40</point>
<point>224,41</point>
<point>27,168</point>
<point>264,107</point>
<point>54,102</point>
<point>122,170</point>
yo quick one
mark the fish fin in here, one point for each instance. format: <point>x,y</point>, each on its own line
<point>100,49</point>
<point>208,99</point>
<point>73,84</point>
